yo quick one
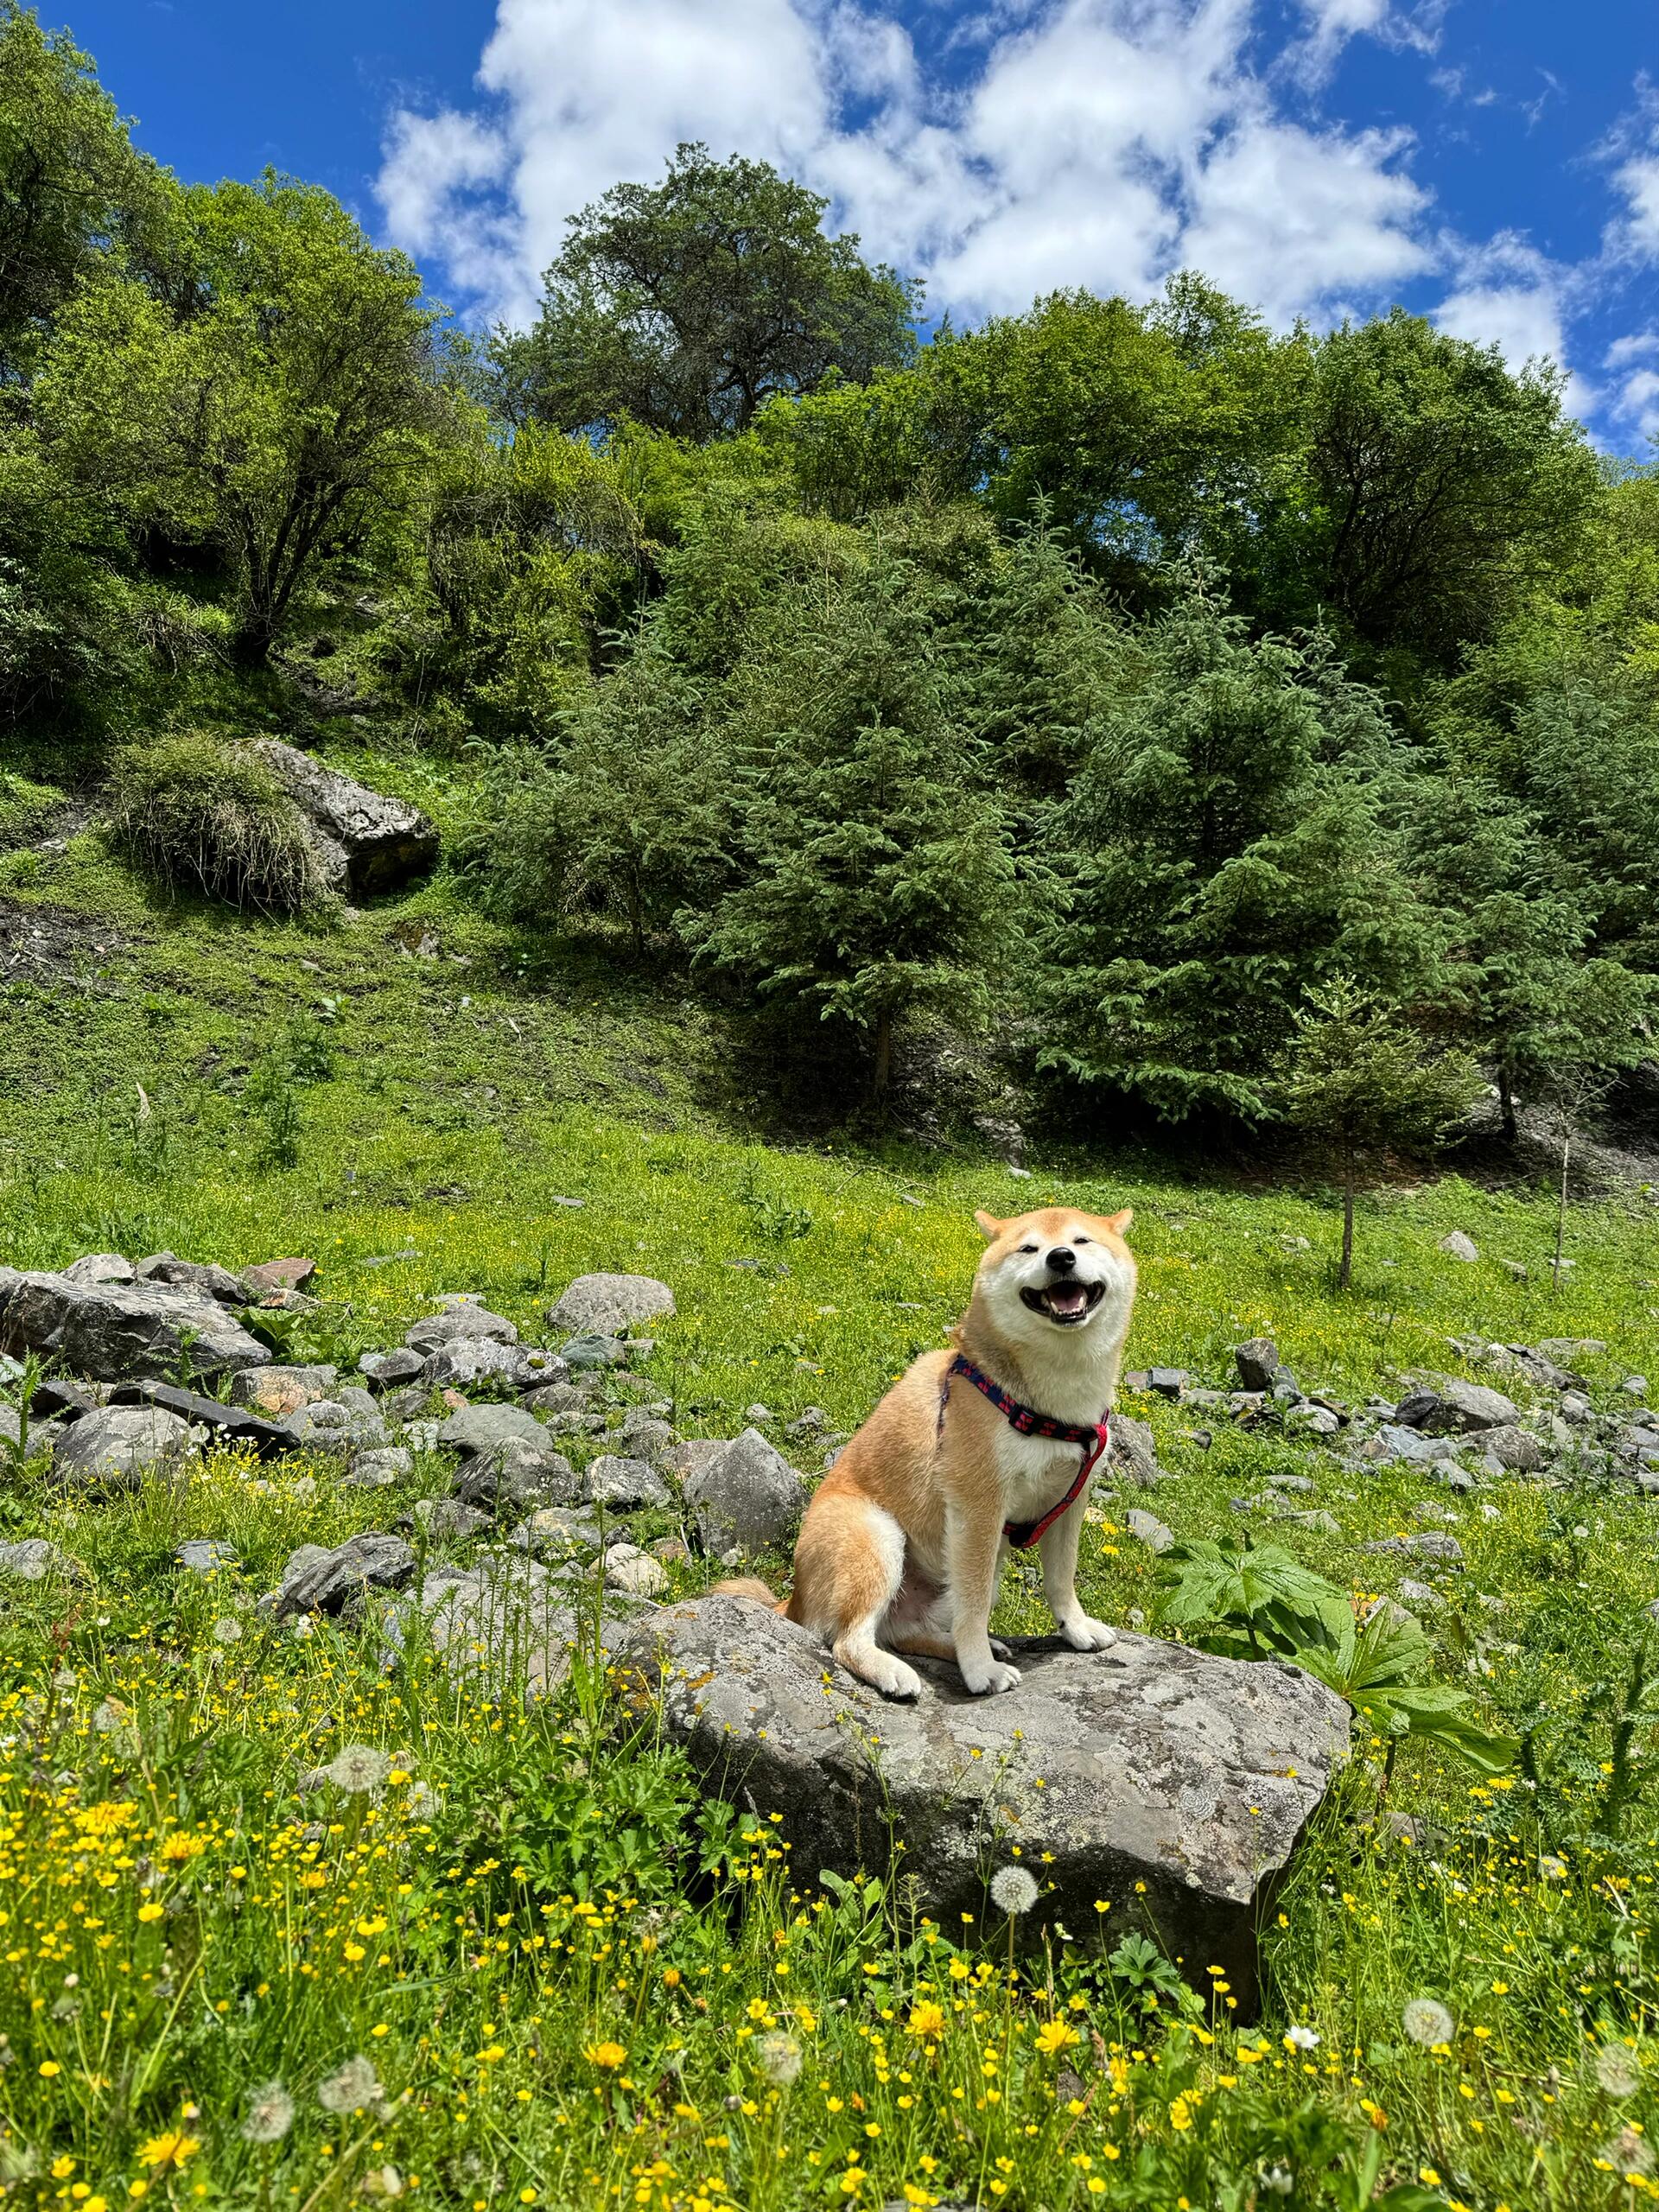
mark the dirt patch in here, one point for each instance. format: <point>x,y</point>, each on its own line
<point>47,944</point>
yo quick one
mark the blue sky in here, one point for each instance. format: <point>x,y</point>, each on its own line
<point>1492,162</point>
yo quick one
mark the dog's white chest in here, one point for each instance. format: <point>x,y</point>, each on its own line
<point>1035,1472</point>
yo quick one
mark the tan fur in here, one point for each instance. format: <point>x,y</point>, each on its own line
<point>902,1544</point>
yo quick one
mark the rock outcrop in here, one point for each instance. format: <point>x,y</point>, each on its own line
<point>365,841</point>
<point>116,1332</point>
<point>1158,1764</point>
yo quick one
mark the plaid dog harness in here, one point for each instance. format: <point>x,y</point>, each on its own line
<point>1093,1441</point>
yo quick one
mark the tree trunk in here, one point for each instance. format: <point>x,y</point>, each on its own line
<point>1506,1102</point>
<point>881,1075</point>
<point>1560,1208</point>
<point>1346,1272</point>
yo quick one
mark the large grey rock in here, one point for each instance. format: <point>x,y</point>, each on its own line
<point>465,1362</point>
<point>627,1567</point>
<point>1158,1764</point>
<point>36,1559</point>
<point>511,1621</point>
<point>223,1424</point>
<point>605,1304</point>
<point>100,1267</point>
<point>218,1283</point>
<point>623,1485</point>
<point>114,1332</point>
<point>331,1424</point>
<point>1458,1246</point>
<point>1146,1529</point>
<point>1394,1442</point>
<point>1515,1448</point>
<point>515,1474</point>
<point>555,1533</point>
<point>280,1392</point>
<point>119,1444</point>
<point>317,1580</point>
<point>365,841</point>
<point>1456,1408</point>
<point>477,1428</point>
<point>589,1354</point>
<point>456,1322</point>
<point>379,1469</point>
<point>1134,1455</point>
<point>747,1496</point>
<point>387,1369</point>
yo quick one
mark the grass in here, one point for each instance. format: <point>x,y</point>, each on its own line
<point>526,1966</point>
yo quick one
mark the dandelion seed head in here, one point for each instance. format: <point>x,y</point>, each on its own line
<point>1427,2022</point>
<point>352,2087</point>
<point>1012,1890</point>
<point>781,2058</point>
<point>357,1767</point>
<point>228,1630</point>
<point>1617,2071</point>
<point>271,2114</point>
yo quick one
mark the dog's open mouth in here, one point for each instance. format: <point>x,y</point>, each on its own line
<point>1065,1302</point>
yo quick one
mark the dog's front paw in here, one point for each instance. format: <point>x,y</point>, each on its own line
<point>990,1679</point>
<point>1086,1634</point>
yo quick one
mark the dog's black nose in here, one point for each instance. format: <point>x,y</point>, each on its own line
<point>1062,1259</point>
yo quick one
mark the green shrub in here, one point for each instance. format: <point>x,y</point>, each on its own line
<point>202,813</point>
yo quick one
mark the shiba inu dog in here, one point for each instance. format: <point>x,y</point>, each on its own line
<point>973,1450</point>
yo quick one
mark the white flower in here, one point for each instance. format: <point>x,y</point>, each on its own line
<point>1012,1890</point>
<point>1617,2070</point>
<point>1427,2022</point>
<point>1279,2181</point>
<point>357,1767</point>
<point>1552,1868</point>
<point>355,2085</point>
<point>781,2058</point>
<point>271,2114</point>
<point>228,1631</point>
<point>1301,2039</point>
<point>422,1802</point>
<point>304,1628</point>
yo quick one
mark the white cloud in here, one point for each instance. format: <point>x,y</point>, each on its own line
<point>1511,295</point>
<point>1098,143</point>
<point>1638,180</point>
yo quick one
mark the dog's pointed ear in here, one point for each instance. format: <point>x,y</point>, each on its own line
<point>989,1227</point>
<point>1119,1223</point>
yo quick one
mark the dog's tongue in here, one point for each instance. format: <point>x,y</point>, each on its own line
<point>1067,1297</point>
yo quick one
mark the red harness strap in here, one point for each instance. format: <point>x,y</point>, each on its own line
<point>1092,1441</point>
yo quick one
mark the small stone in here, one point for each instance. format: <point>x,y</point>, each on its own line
<point>1456,1408</point>
<point>587,1355</point>
<point>604,1305</point>
<point>1168,1382</point>
<point>1635,1386</point>
<point>555,1532</point>
<point>204,1554</point>
<point>1146,1529</point>
<point>1257,1362</point>
<point>1419,1593</point>
<point>1508,1446</point>
<point>1430,1545</point>
<point>623,1485</point>
<point>628,1568</point>
<point>759,1415</point>
<point>446,1519</point>
<point>218,1283</point>
<point>1322,1523</point>
<point>387,1369</point>
<point>379,1470</point>
<point>462,1319</point>
<point>279,1392</point>
<point>672,1550</point>
<point>100,1267</point>
<point>1318,1420</point>
<point>1457,1246</point>
<point>278,1274</point>
<point>1133,1454</point>
<point>35,1560</point>
<point>465,1362</point>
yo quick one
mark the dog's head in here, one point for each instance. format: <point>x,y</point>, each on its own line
<point>1056,1272</point>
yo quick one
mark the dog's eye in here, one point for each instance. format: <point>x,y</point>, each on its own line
<point>1027,1248</point>
<point>1082,1240</point>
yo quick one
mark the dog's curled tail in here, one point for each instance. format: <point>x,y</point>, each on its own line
<point>750,1586</point>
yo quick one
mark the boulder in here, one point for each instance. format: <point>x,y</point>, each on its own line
<point>223,1424</point>
<point>1257,1362</point>
<point>1159,1765</point>
<point>477,1428</point>
<point>365,841</point>
<point>119,1444</point>
<point>465,1362</point>
<point>218,1283</point>
<point>1146,1529</point>
<point>644,1435</point>
<point>205,1554</point>
<point>266,1276</point>
<point>1457,1246</point>
<point>605,1304</point>
<point>387,1369</point>
<point>379,1469</point>
<point>1456,1408</point>
<point>281,1391</point>
<point>458,1321</point>
<point>316,1580</point>
<point>745,1496</point>
<point>624,1485</point>
<point>627,1567</point>
<point>1515,1448</point>
<point>1394,1441</point>
<point>555,1533</point>
<point>100,1267</point>
<point>515,1474</point>
<point>333,1425</point>
<point>36,1559</point>
<point>1133,1454</point>
<point>508,1620</point>
<point>587,1355</point>
<point>114,1331</point>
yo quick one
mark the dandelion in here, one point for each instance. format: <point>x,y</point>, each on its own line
<point>1301,2038</point>
<point>271,2114</point>
<point>1551,1868</point>
<point>926,2018</point>
<point>1617,2071</point>
<point>1628,2153</point>
<point>1427,2022</point>
<point>422,1802</point>
<point>1012,1890</point>
<point>228,1630</point>
<point>168,2152</point>
<point>354,2086</point>
<point>781,2058</point>
<point>1056,2035</point>
<point>357,1767</point>
<point>607,2056</point>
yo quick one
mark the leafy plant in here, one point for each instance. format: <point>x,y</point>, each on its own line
<point>1234,1596</point>
<point>203,814</point>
